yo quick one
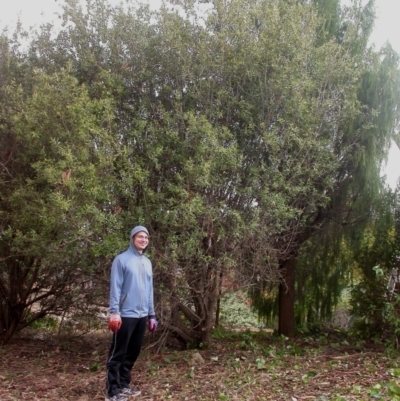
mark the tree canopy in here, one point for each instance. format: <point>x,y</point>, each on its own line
<point>231,133</point>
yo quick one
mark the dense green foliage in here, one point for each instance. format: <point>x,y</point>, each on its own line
<point>55,148</point>
<point>325,250</point>
<point>376,294</point>
<point>231,133</point>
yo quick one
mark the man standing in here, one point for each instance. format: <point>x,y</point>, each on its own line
<point>131,306</point>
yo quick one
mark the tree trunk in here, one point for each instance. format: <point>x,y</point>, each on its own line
<point>286,298</point>
<point>10,327</point>
<point>218,310</point>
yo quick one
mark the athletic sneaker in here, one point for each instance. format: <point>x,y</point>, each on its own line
<point>118,397</point>
<point>130,392</point>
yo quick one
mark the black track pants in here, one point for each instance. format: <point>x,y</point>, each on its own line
<point>125,348</point>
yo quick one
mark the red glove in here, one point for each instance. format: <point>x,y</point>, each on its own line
<point>114,322</point>
<point>152,325</point>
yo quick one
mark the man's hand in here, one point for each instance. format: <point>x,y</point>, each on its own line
<point>152,325</point>
<point>114,322</point>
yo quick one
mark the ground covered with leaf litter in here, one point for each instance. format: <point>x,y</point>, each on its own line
<point>235,366</point>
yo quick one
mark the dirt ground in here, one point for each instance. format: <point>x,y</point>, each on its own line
<point>243,366</point>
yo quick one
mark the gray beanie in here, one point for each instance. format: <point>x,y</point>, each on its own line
<point>138,229</point>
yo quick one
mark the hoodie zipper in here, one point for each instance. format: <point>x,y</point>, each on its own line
<point>142,289</point>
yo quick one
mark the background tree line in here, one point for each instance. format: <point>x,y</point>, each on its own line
<point>240,133</point>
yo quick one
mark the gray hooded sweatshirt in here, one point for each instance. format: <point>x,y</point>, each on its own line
<point>131,283</point>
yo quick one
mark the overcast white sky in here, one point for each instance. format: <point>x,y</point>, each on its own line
<point>387,28</point>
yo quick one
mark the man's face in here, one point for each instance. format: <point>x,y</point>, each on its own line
<point>140,241</point>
